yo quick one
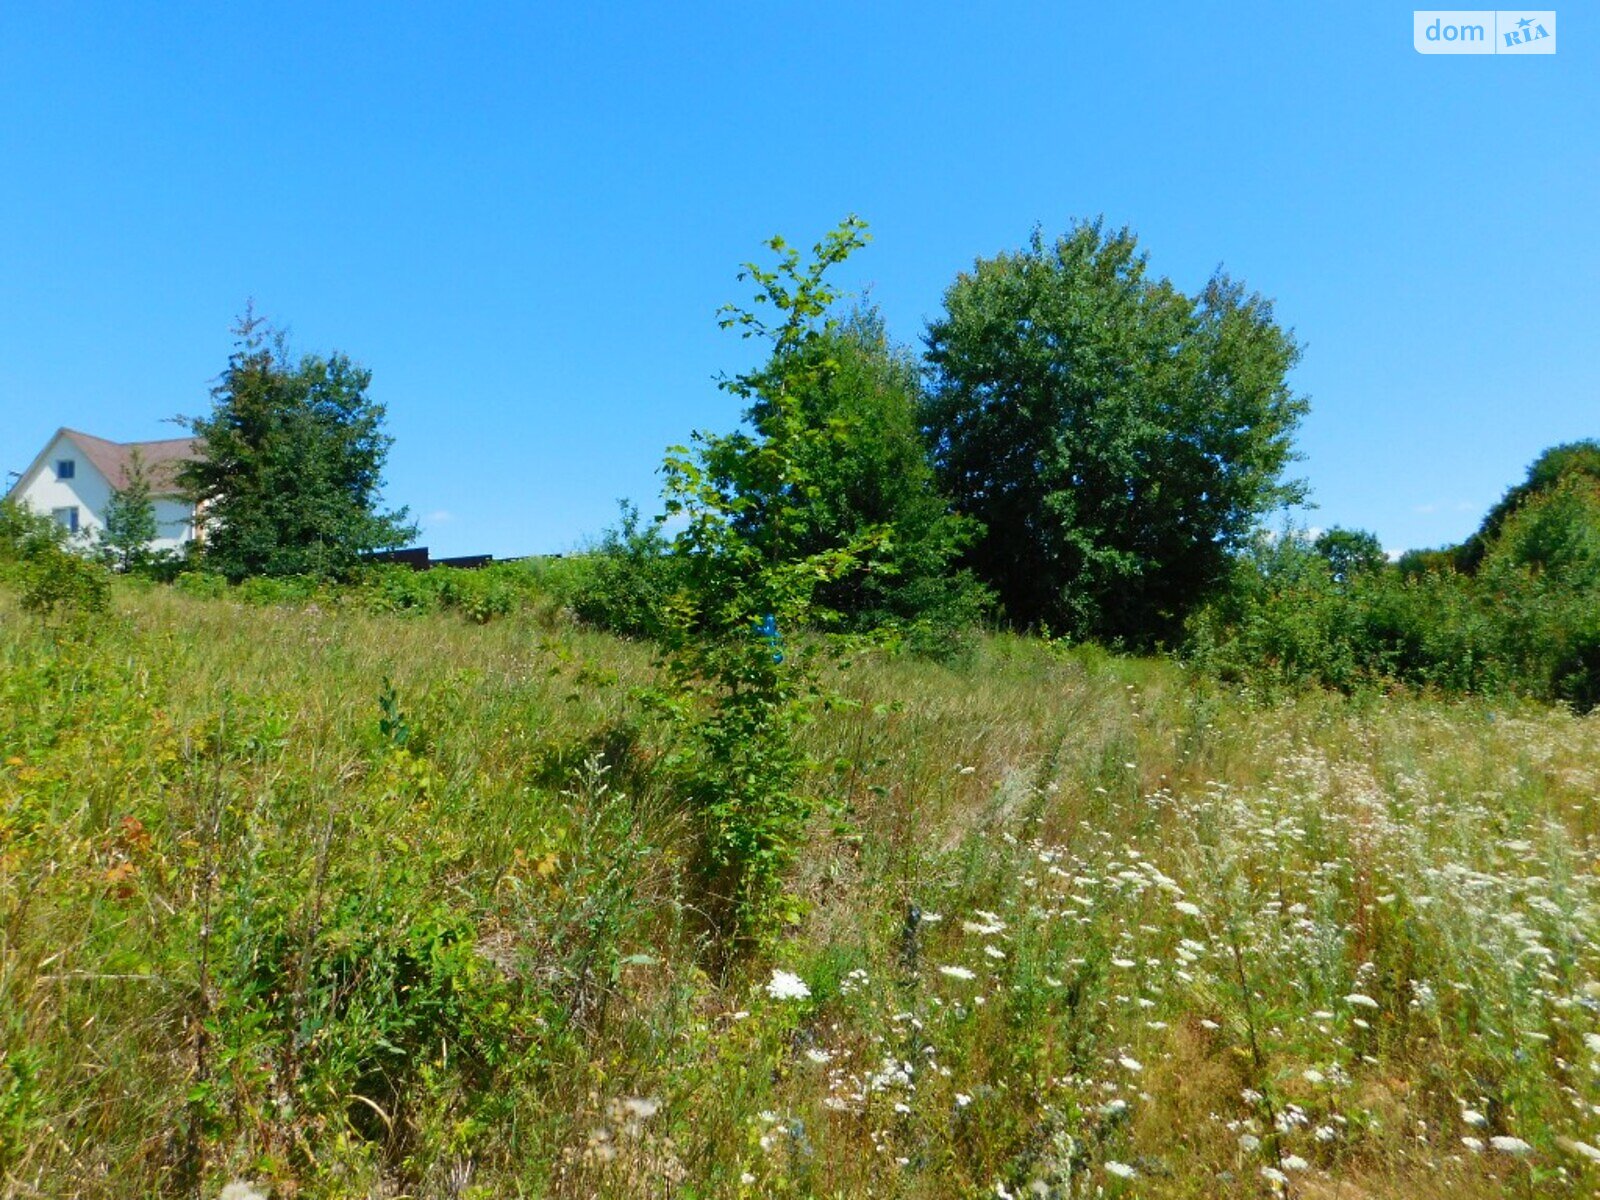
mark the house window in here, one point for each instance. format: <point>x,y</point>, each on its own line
<point>66,468</point>
<point>67,518</point>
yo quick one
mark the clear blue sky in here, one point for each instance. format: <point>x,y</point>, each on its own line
<point>523,217</point>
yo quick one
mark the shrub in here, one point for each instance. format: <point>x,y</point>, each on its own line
<point>203,585</point>
<point>1284,621</point>
<point>54,581</point>
<point>25,533</point>
<point>397,589</point>
<point>627,578</point>
<point>1525,624</point>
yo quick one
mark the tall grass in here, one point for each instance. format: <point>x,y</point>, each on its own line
<point>355,905</point>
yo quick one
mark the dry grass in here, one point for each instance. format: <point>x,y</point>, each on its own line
<point>1135,868</point>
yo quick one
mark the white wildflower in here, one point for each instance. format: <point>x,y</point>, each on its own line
<point>957,972</point>
<point>1357,1000</point>
<point>242,1191</point>
<point>1120,1170</point>
<point>1581,1149</point>
<point>1130,1064</point>
<point>785,986</point>
<point>1510,1145</point>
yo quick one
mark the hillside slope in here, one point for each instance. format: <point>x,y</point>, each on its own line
<point>347,905</point>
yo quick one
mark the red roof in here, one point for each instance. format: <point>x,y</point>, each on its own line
<point>112,459</point>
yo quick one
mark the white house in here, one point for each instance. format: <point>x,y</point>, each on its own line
<point>75,475</point>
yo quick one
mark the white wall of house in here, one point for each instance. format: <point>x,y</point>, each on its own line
<point>174,523</point>
<point>88,491</point>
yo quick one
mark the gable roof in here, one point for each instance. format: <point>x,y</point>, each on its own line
<point>113,459</point>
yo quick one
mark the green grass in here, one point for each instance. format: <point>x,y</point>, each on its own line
<point>351,905</point>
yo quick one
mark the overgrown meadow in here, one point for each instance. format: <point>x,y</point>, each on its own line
<point>339,904</point>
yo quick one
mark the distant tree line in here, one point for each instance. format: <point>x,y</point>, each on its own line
<point>1087,451</point>
<point>1514,609</point>
<point>1082,449</point>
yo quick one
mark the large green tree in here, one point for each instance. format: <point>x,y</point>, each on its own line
<point>1117,437</point>
<point>290,470</point>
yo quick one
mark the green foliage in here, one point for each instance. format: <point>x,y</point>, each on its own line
<point>25,533</point>
<point>203,585</point>
<point>59,584</point>
<point>1527,622</point>
<point>1283,620</point>
<point>1554,532</point>
<point>1571,462</point>
<point>54,582</point>
<point>291,464</point>
<point>270,920</point>
<point>481,594</point>
<point>282,589</point>
<point>1350,552</point>
<point>861,473</point>
<point>1116,437</point>
<point>130,520</point>
<point>627,579</point>
<point>738,699</point>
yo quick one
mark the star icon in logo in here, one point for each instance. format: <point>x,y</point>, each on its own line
<point>1525,22</point>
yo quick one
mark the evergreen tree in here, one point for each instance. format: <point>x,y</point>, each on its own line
<point>290,468</point>
<point>130,526</point>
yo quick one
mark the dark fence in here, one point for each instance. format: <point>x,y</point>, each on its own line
<point>417,559</point>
